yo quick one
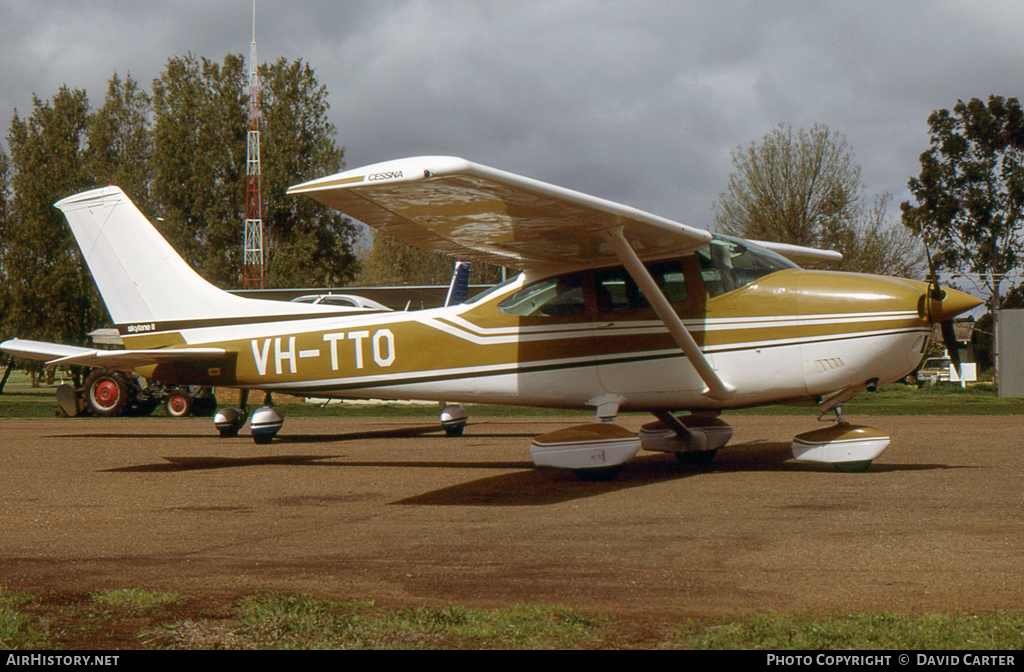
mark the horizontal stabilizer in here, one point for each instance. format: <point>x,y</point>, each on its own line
<point>55,353</point>
<point>41,351</point>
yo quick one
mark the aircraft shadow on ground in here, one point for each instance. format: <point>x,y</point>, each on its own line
<point>526,485</point>
<point>552,486</point>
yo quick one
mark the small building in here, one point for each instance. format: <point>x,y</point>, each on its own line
<point>1010,337</point>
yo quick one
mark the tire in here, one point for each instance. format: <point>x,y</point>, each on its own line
<point>455,430</point>
<point>204,406</point>
<point>598,474</point>
<point>851,467</point>
<point>178,405</point>
<point>106,393</point>
<point>696,457</point>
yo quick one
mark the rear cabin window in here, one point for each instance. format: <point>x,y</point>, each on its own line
<point>615,290</point>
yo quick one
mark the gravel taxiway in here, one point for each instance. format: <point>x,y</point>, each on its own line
<point>392,510</point>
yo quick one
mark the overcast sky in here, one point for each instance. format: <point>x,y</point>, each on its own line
<point>637,101</point>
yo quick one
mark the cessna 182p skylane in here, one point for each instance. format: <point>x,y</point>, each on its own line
<point>616,309</point>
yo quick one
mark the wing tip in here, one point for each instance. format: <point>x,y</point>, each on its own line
<point>396,170</point>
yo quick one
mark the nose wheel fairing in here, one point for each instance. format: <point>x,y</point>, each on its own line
<point>845,446</point>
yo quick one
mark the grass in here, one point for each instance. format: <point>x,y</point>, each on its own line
<point>901,399</point>
<point>871,631</point>
<point>134,618</point>
<point>19,628</point>
<point>133,600</point>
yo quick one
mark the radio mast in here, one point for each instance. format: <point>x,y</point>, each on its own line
<point>252,260</point>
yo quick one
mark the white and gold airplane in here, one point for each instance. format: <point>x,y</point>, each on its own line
<point>615,309</point>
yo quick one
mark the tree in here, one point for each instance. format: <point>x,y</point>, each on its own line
<point>790,188</point>
<point>180,154</point>
<point>875,243</point>
<point>120,146</point>
<point>970,193</point>
<point>199,153</point>
<point>49,292</point>
<point>5,167</point>
<point>307,244</point>
<point>805,189</point>
<point>393,262</point>
<point>199,166</point>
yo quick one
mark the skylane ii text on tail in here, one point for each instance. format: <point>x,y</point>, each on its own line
<point>615,309</point>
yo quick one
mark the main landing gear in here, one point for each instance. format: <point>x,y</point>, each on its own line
<point>597,451</point>
<point>453,418</point>
<point>265,423</point>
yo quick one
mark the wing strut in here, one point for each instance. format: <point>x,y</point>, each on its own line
<point>716,388</point>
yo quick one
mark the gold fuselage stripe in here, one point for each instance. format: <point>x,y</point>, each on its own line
<point>791,307</point>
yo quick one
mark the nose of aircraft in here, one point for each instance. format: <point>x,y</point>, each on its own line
<point>947,304</point>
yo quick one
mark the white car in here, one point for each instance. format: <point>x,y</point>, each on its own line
<point>934,370</point>
<point>344,300</point>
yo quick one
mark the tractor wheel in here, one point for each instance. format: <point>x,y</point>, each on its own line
<point>178,405</point>
<point>106,392</point>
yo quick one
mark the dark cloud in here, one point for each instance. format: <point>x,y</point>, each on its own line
<point>637,101</point>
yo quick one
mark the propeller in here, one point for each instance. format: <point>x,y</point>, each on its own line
<point>936,294</point>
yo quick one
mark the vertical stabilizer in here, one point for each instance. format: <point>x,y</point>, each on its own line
<point>139,275</point>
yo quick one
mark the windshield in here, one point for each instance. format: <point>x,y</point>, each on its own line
<point>730,263</point>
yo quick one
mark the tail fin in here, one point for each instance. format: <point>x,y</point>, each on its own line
<point>458,290</point>
<point>140,276</point>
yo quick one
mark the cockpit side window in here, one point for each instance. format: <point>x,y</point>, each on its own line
<point>617,291</point>
<point>729,263</point>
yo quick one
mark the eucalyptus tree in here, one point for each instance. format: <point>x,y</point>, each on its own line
<point>970,192</point>
<point>307,244</point>
<point>199,146</point>
<point>49,294</point>
<point>120,140</point>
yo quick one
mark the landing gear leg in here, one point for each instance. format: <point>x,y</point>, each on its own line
<point>694,439</point>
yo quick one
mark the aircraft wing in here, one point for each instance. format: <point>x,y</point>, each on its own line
<point>473,212</point>
<point>55,353</point>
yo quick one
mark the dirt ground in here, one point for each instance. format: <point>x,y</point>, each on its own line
<point>392,510</point>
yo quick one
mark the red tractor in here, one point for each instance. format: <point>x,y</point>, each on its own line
<point>111,393</point>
